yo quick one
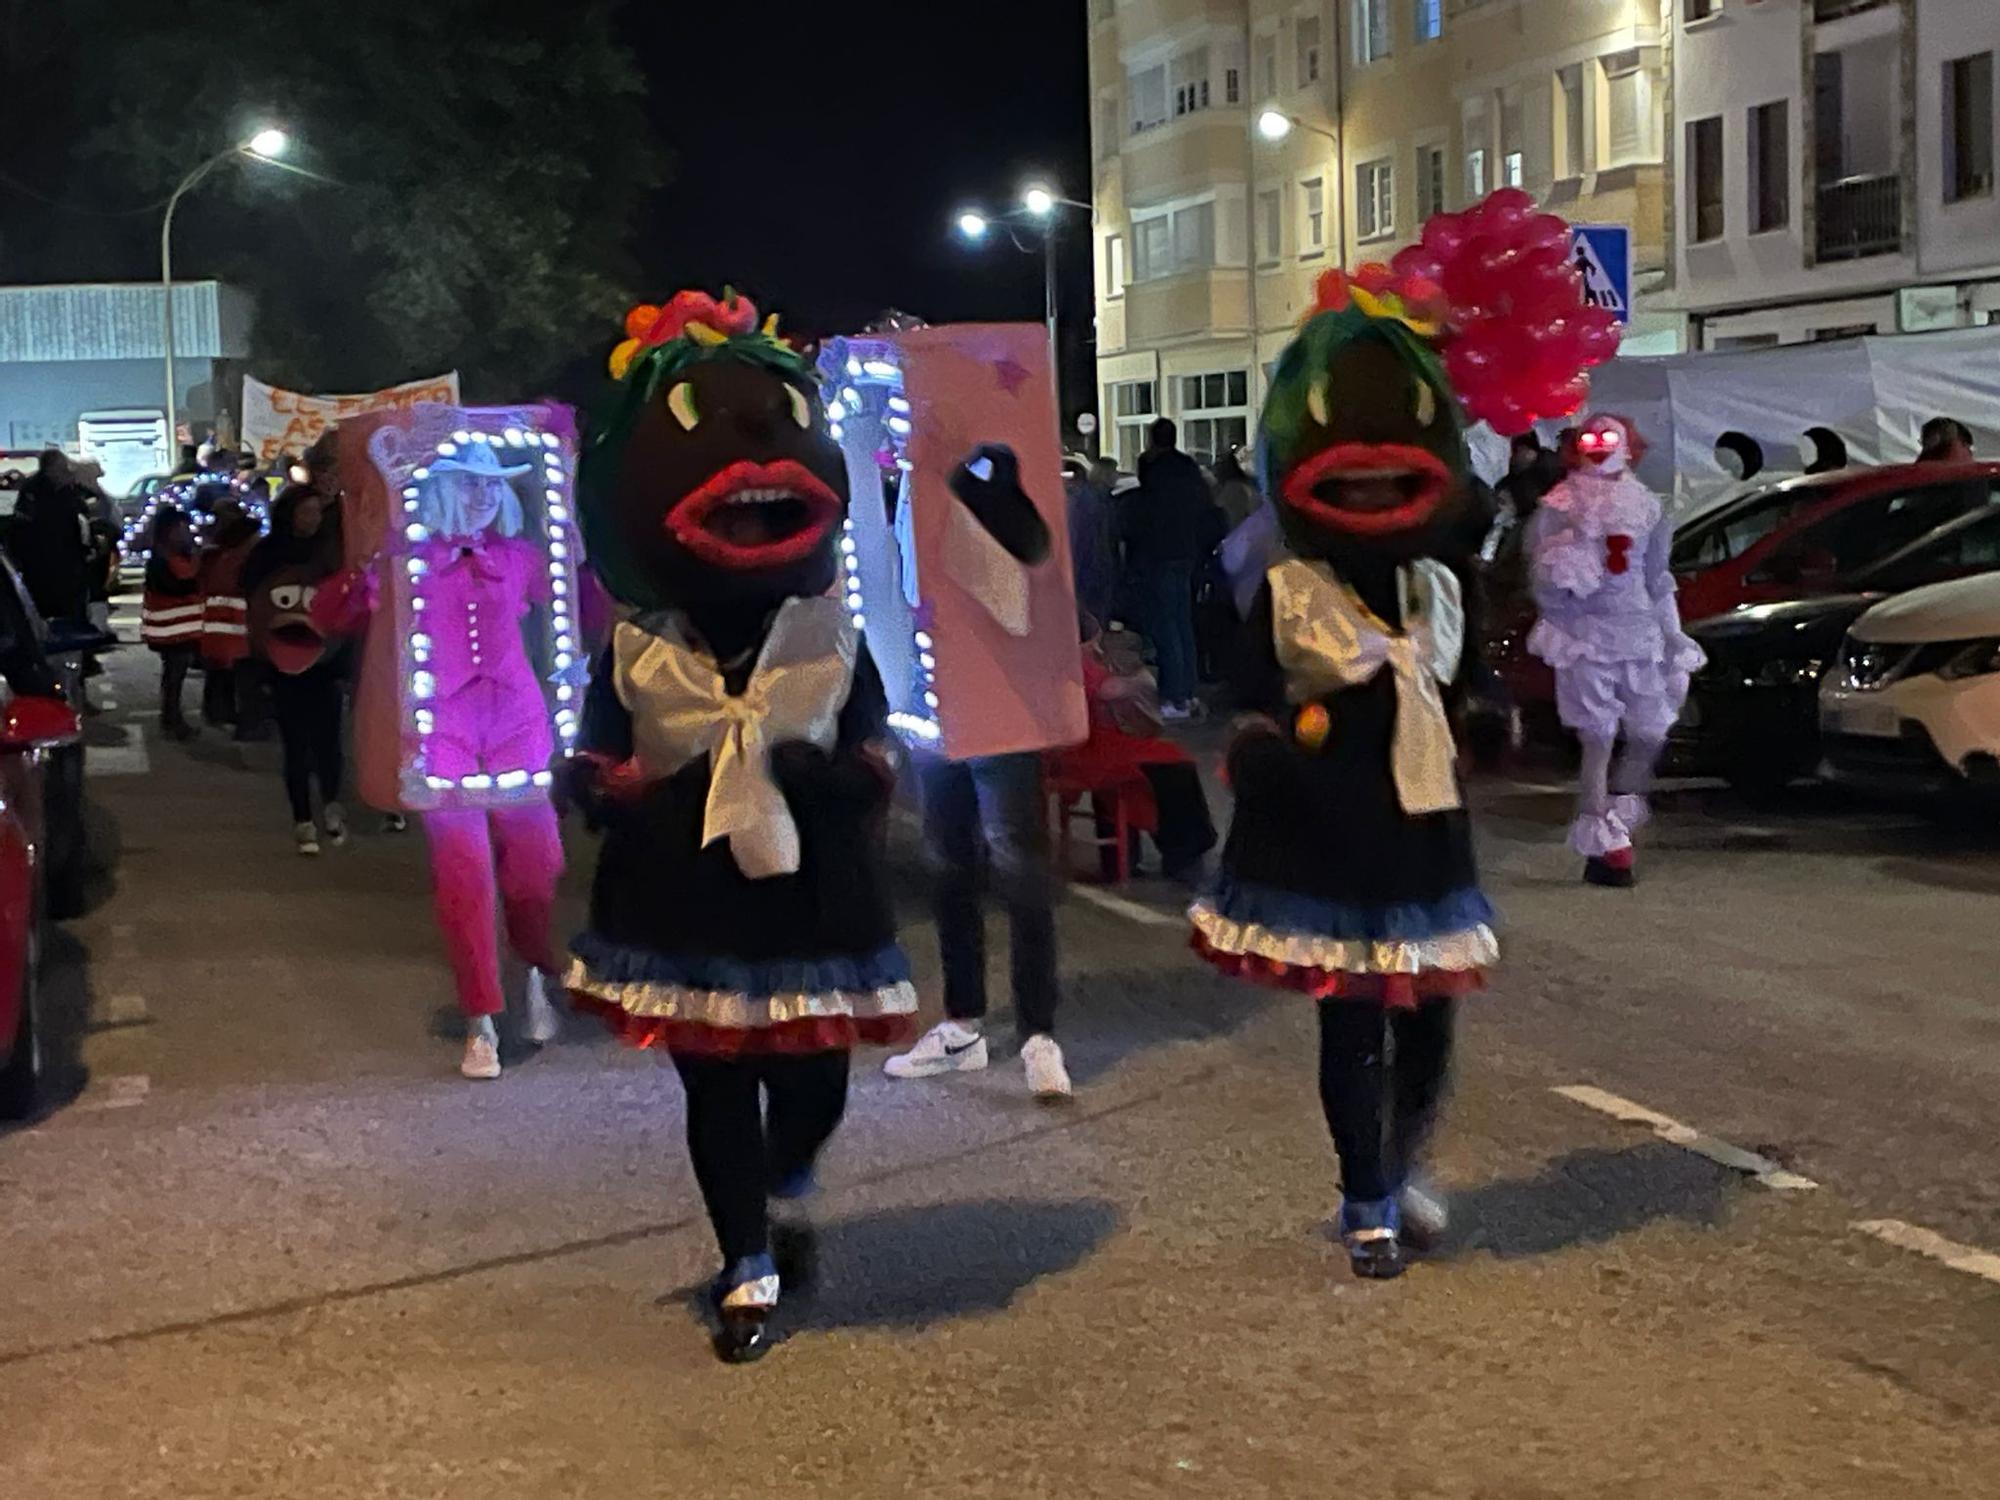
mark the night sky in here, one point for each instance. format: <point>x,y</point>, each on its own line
<point>822,152</point>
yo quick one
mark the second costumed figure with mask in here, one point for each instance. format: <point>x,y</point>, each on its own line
<point>735,756</point>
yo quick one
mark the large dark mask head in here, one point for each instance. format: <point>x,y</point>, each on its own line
<point>1363,445</point>
<point>713,478</point>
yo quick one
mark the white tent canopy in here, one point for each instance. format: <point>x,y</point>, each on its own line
<point>1876,393</point>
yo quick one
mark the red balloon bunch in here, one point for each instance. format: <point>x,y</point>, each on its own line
<point>1519,335</point>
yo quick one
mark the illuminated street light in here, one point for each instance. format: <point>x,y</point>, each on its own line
<point>1274,124</point>
<point>973,224</point>
<point>1039,201</point>
<point>269,143</point>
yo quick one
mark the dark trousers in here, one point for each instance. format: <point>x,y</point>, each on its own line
<point>174,664</point>
<point>752,1123</point>
<point>1381,1079</point>
<point>1166,600</point>
<point>307,708</point>
<point>218,695</point>
<point>992,806</point>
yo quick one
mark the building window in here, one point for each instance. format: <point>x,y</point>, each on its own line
<point>1430,181</point>
<point>1375,199</point>
<point>1968,127</point>
<point>1148,93</point>
<point>1700,10</point>
<point>1628,109</point>
<point>1513,139</point>
<point>1478,143</point>
<point>1270,226</point>
<point>1308,46</point>
<point>1428,23</point>
<point>1188,78</point>
<point>1232,85</point>
<point>1114,265</point>
<point>1704,154</point>
<point>1264,60</point>
<point>1215,412</point>
<point>1133,407</point>
<point>1770,167</point>
<point>1569,99</point>
<point>1312,216</point>
<point>1181,239</point>
<point>1371,30</point>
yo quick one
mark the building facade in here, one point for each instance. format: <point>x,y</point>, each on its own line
<point>1209,237</point>
<point>1834,161</point>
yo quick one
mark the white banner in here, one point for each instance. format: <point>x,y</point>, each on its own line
<point>277,421</point>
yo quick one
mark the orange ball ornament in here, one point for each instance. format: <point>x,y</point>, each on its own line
<point>1312,725</point>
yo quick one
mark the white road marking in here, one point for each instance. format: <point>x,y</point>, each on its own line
<point>118,1091</point>
<point>1770,1173</point>
<point>1959,1257</point>
<point>127,759</point>
<point>122,1008</point>
<point>1132,911</point>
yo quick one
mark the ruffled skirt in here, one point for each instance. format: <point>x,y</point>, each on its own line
<point>1395,955</point>
<point>725,1007</point>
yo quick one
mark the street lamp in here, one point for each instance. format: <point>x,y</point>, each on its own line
<point>1275,125</point>
<point>267,144</point>
<point>1039,203</point>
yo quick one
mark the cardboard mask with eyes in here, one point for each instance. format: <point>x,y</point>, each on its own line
<point>280,619</point>
<point>714,479</point>
<point>1363,444</point>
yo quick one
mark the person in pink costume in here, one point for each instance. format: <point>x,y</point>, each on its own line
<point>486,718</point>
<point>1609,626</point>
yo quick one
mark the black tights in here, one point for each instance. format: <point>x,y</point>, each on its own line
<point>742,1147</point>
<point>308,711</point>
<point>1381,1080</point>
<point>174,664</point>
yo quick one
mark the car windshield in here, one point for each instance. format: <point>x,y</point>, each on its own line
<point>1715,539</point>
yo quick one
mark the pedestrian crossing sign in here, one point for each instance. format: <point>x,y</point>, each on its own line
<point>1602,255</point>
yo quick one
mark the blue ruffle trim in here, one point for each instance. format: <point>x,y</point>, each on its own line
<point>1290,912</point>
<point>619,963</point>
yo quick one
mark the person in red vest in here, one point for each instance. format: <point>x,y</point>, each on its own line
<point>170,612</point>
<point>225,641</point>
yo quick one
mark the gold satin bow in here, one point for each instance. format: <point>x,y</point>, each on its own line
<point>681,709</point>
<point>1327,639</point>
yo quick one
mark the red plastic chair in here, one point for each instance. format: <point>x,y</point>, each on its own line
<point>1124,802</point>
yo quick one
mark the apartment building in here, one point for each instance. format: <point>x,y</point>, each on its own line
<point>1835,167</point>
<point>1210,236</point>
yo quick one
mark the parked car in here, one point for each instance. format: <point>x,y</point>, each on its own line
<point>1914,702</point>
<point>41,789</point>
<point>1796,538</point>
<point>1752,714</point>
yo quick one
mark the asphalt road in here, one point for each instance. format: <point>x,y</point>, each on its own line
<point>268,1243</point>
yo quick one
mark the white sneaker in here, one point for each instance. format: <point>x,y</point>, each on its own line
<point>394,822</point>
<point>334,818</point>
<point>1048,1079</point>
<point>307,838</point>
<point>544,1020</point>
<point>1176,713</point>
<point>482,1057</point>
<point>947,1047</point>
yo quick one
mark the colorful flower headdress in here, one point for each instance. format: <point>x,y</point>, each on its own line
<point>694,325</point>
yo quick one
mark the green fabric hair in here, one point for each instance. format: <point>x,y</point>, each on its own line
<point>1286,412</point>
<point>652,370</point>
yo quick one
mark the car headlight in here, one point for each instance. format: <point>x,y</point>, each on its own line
<point>1977,659</point>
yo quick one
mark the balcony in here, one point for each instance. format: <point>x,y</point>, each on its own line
<point>1833,10</point>
<point>1859,217</point>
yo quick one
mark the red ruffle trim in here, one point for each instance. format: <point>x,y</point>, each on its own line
<point>1398,991</point>
<point>821,1034</point>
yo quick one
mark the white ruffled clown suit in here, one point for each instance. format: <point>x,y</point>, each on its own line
<point>1609,626</point>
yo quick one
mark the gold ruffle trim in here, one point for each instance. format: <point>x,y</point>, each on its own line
<point>737,1011</point>
<point>1474,948</point>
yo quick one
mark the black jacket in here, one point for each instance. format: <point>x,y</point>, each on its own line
<point>1171,517</point>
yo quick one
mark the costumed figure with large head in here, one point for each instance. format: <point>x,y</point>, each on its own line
<point>957,557</point>
<point>734,752</point>
<point>1610,627</point>
<point>1348,874</point>
<point>464,549</point>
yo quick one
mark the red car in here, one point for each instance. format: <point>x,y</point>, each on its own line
<point>39,732</point>
<point>1792,539</point>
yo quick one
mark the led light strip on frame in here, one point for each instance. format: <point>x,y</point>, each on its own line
<point>559,536</point>
<point>876,373</point>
